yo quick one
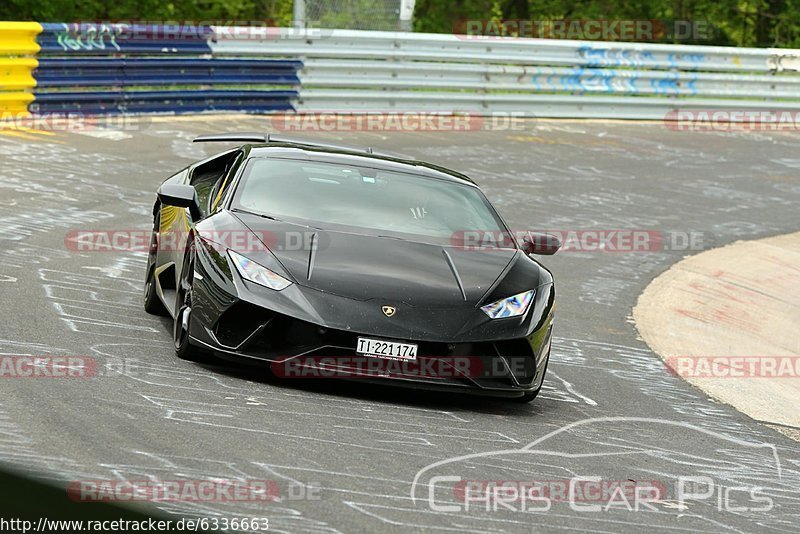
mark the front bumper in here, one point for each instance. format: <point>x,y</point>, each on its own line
<point>295,348</point>
<point>299,329</point>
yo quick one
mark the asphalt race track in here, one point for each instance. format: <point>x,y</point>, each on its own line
<point>345,454</point>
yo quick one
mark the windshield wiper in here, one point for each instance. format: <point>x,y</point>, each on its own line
<point>263,215</point>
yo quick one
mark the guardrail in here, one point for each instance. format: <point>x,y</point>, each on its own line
<point>354,44</point>
<point>333,73</point>
<point>17,41</point>
<point>121,68</point>
<point>107,68</point>
<point>152,71</point>
<point>100,39</point>
<point>346,70</point>
<point>195,101</point>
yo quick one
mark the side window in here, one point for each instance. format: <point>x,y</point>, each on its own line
<point>224,183</point>
<point>207,175</point>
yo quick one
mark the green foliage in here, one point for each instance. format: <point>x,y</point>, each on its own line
<point>732,22</point>
<point>353,14</point>
<point>729,22</point>
<point>277,11</point>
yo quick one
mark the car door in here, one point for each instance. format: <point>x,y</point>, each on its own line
<point>209,178</point>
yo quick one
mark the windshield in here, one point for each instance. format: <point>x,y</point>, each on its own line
<point>352,198</point>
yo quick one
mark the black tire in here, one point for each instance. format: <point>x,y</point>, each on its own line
<point>152,303</point>
<point>183,310</point>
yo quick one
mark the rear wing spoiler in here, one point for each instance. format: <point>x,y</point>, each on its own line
<point>247,137</point>
<point>233,138</point>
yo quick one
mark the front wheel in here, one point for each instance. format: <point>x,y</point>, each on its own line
<point>183,311</point>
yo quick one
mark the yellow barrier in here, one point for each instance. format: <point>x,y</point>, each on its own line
<point>15,74</point>
<point>15,103</point>
<point>17,39</point>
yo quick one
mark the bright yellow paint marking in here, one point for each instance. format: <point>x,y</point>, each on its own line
<point>21,135</point>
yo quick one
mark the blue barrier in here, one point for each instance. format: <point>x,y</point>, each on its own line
<point>119,38</point>
<point>84,62</point>
<point>111,102</point>
<point>140,71</point>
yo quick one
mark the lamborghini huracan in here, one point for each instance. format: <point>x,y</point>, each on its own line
<point>305,256</point>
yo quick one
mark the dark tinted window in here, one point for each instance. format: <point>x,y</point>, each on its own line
<point>350,197</point>
<point>207,177</point>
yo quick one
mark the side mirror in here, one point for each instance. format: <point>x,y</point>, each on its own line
<point>538,243</point>
<point>181,196</point>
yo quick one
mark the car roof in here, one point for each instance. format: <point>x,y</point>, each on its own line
<point>356,157</point>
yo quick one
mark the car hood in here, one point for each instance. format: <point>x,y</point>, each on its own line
<point>364,267</point>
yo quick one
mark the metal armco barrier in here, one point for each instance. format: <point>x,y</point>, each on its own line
<point>17,40</point>
<point>152,71</point>
<point>347,70</point>
<point>354,44</point>
<point>120,68</point>
<point>528,79</point>
<point>100,39</point>
<point>94,103</point>
<point>124,68</point>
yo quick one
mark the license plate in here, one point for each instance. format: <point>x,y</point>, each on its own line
<point>391,350</point>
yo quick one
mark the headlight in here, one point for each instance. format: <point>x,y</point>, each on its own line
<point>258,274</point>
<point>509,307</point>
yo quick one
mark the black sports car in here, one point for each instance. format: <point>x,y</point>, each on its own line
<point>321,260</point>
